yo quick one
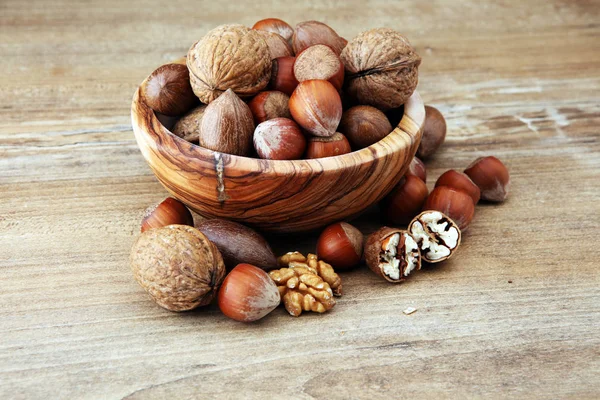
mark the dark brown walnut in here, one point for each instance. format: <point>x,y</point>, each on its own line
<point>167,90</point>
<point>381,68</point>
<point>238,244</point>
<point>309,33</point>
<point>178,267</point>
<point>229,57</point>
<point>188,126</point>
<point>392,254</point>
<point>278,46</point>
<point>436,234</point>
<point>227,125</point>
<point>364,125</point>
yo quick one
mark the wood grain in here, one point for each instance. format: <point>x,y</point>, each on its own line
<point>513,315</point>
<point>277,195</point>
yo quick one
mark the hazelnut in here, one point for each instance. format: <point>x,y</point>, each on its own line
<point>167,90</point>
<point>229,57</point>
<point>436,234</point>
<point>279,139</point>
<point>340,245</point>
<point>392,254</point>
<point>188,127</point>
<point>491,176</point>
<point>459,181</point>
<point>269,105</point>
<point>227,125</point>
<point>434,132</point>
<point>319,147</point>
<point>405,201</point>
<point>278,46</point>
<point>309,33</point>
<point>417,168</point>
<point>167,212</point>
<point>364,126</point>
<point>248,294</point>
<point>238,243</point>
<point>316,106</point>
<point>456,204</point>
<point>381,68</point>
<point>178,267</point>
<point>319,62</point>
<point>282,76</point>
<point>275,25</point>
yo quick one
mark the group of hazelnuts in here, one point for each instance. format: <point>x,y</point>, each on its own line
<point>282,93</point>
<point>183,265</point>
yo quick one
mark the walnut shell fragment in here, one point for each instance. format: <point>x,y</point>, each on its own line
<point>381,68</point>
<point>437,235</point>
<point>306,284</point>
<point>392,254</point>
<point>229,57</point>
<point>178,267</point>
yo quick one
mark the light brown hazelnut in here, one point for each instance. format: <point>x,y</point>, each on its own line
<point>275,25</point>
<point>188,126</point>
<point>309,33</point>
<point>167,90</point>
<point>229,57</point>
<point>491,176</point>
<point>168,212</point>
<point>459,181</point>
<point>434,132</point>
<point>279,139</point>
<point>456,204</point>
<point>227,125</point>
<point>405,201</point>
<point>340,245</point>
<point>278,46</point>
<point>177,266</point>
<point>317,107</point>
<point>319,147</point>
<point>269,105</point>
<point>418,169</point>
<point>364,126</point>
<point>319,62</point>
<point>282,75</point>
<point>381,68</point>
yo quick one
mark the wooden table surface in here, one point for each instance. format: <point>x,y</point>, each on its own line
<point>514,315</point>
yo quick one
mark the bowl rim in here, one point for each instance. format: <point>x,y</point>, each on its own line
<point>411,124</point>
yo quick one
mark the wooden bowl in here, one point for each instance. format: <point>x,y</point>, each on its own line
<point>275,195</point>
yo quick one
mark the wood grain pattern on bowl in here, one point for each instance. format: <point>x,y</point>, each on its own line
<point>277,195</point>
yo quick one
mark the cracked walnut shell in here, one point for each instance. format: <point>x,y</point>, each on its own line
<point>306,284</point>
<point>229,57</point>
<point>381,68</point>
<point>178,267</point>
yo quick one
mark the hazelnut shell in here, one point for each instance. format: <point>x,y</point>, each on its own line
<point>434,132</point>
<point>340,245</point>
<point>167,90</point>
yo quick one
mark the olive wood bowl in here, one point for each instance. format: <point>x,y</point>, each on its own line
<point>277,195</point>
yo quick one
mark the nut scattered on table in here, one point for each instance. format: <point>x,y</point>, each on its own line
<point>492,178</point>
<point>436,234</point>
<point>170,211</point>
<point>392,254</point>
<point>434,132</point>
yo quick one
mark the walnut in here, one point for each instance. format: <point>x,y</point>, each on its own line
<point>381,68</point>
<point>178,267</point>
<point>306,284</point>
<point>229,57</point>
<point>188,127</point>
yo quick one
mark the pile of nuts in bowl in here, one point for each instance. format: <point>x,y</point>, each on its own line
<point>278,92</point>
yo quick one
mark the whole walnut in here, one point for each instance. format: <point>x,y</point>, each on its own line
<point>178,267</point>
<point>381,68</point>
<point>229,57</point>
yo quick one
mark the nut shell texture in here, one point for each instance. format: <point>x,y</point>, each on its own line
<point>381,68</point>
<point>178,267</point>
<point>229,57</point>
